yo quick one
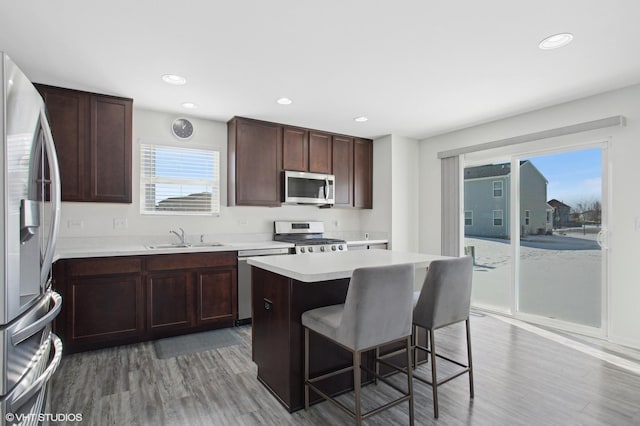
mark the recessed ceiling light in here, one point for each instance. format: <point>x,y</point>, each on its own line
<point>361,119</point>
<point>189,105</point>
<point>284,101</point>
<point>176,80</point>
<point>555,41</point>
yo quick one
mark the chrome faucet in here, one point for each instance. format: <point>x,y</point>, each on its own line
<point>183,238</point>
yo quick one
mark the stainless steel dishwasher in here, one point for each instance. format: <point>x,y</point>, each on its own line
<point>244,279</point>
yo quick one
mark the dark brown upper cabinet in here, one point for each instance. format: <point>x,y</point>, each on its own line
<point>92,134</point>
<point>295,149</point>
<point>260,151</point>
<point>319,152</point>
<point>254,162</point>
<point>343,170</point>
<point>362,173</point>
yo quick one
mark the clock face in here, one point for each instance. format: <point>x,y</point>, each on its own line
<point>182,128</point>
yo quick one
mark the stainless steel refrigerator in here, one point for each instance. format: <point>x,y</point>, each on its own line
<point>29,220</point>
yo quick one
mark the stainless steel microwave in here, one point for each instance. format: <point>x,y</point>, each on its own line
<point>309,188</point>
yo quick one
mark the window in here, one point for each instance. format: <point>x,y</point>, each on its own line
<point>527,217</point>
<point>180,181</point>
<point>549,215</point>
<point>468,218</point>
<point>497,218</point>
<point>497,189</point>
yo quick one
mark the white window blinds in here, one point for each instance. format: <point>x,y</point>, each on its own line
<point>176,180</point>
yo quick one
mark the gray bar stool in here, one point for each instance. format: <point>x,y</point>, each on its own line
<point>377,311</point>
<point>444,300</point>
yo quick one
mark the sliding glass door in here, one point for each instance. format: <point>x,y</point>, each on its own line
<point>561,224</point>
<point>486,234</point>
<point>536,226</point>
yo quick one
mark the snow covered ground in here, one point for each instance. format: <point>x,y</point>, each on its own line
<point>560,276</point>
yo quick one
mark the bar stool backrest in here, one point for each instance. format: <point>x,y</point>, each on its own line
<point>446,293</point>
<point>378,306</point>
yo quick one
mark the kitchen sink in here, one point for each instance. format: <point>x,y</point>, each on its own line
<point>180,245</point>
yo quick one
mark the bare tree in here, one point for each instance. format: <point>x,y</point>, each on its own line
<point>587,211</point>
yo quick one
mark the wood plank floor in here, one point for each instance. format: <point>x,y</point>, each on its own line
<point>520,379</point>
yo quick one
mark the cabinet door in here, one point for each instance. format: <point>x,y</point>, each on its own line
<point>258,154</point>
<point>216,295</point>
<point>67,111</point>
<point>111,149</point>
<point>103,311</point>
<point>170,301</point>
<point>319,152</point>
<point>362,173</point>
<point>343,170</point>
<point>295,149</point>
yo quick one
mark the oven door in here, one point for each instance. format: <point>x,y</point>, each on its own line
<point>309,188</point>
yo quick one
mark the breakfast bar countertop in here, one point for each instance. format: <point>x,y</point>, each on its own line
<point>332,266</point>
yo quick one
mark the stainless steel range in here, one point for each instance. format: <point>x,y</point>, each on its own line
<point>307,236</point>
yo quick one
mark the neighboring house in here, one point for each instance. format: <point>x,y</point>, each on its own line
<point>200,201</point>
<point>487,201</point>
<point>561,214</point>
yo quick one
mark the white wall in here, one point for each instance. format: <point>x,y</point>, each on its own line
<point>395,196</point>
<point>624,152</point>
<point>404,194</point>
<point>96,219</point>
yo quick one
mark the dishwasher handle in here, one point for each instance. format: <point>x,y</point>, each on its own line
<point>263,252</point>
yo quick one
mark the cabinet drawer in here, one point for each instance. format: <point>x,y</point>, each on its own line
<point>103,266</point>
<point>166,262</point>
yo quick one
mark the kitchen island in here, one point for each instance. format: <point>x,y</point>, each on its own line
<point>283,287</point>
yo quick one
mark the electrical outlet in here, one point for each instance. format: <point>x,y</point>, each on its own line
<point>242,221</point>
<point>336,223</point>
<point>120,223</point>
<point>75,224</point>
<point>637,224</point>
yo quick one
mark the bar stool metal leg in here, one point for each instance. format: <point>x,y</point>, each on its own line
<point>356,386</point>
<point>409,380</point>
<point>377,364</point>
<point>469,358</point>
<point>434,379</point>
<point>415,345</point>
<point>306,368</point>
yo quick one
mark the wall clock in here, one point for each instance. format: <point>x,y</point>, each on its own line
<point>182,128</point>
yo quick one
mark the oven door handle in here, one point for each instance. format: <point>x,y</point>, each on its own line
<point>25,333</point>
<point>41,381</point>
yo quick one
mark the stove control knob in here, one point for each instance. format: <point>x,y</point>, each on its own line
<point>340,247</point>
<point>310,249</point>
<point>333,248</point>
<point>302,250</point>
<point>322,248</point>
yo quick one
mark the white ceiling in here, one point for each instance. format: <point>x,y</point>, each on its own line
<point>416,68</point>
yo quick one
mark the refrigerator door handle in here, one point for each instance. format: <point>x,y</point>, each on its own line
<point>32,329</point>
<point>37,384</point>
<point>54,171</point>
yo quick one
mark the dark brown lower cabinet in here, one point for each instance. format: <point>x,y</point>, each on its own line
<point>169,301</point>
<point>93,320</point>
<point>118,300</point>
<point>217,295</point>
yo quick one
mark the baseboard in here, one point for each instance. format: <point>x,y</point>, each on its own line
<point>243,321</point>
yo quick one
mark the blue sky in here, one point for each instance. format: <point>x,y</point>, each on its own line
<point>573,176</point>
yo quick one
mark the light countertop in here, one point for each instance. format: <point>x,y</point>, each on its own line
<point>332,266</point>
<point>85,247</point>
<point>92,249</point>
